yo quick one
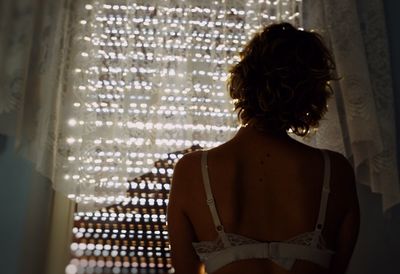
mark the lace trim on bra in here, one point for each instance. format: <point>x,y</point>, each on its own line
<point>204,248</point>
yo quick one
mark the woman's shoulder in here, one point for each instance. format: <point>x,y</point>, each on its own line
<point>189,161</point>
<point>186,170</point>
<point>340,163</point>
<point>343,181</point>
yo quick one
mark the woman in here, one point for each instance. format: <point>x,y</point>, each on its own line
<point>263,202</point>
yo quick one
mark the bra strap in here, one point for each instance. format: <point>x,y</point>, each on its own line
<point>324,198</point>
<point>211,202</point>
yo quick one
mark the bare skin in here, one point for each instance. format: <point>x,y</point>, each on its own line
<point>267,187</point>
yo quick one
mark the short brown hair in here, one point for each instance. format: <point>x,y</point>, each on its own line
<point>282,79</point>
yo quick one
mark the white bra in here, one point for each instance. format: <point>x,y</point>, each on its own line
<point>230,247</point>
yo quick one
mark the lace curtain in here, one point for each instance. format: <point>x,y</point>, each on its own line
<point>360,122</point>
<point>32,47</point>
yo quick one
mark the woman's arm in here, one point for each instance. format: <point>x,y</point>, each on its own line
<point>349,227</point>
<point>181,232</point>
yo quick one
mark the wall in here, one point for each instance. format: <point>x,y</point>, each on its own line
<point>25,204</point>
<point>392,9</point>
<point>14,173</point>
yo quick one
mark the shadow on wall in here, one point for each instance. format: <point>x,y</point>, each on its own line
<point>2,143</point>
<point>25,201</point>
<point>377,249</point>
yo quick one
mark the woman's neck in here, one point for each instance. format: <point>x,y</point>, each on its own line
<point>251,130</point>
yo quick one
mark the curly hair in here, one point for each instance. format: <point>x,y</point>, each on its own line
<point>282,80</point>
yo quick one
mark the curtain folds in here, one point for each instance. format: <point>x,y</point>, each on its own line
<point>360,122</point>
<point>32,54</point>
<point>97,91</point>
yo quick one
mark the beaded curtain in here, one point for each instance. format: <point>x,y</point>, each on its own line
<point>146,78</point>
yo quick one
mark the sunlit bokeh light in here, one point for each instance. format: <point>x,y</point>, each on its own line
<point>147,81</point>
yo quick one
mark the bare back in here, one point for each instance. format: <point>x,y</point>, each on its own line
<point>267,188</point>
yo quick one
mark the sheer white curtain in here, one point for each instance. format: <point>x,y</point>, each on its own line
<point>360,121</point>
<point>32,40</point>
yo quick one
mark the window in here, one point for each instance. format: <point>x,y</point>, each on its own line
<point>148,82</point>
